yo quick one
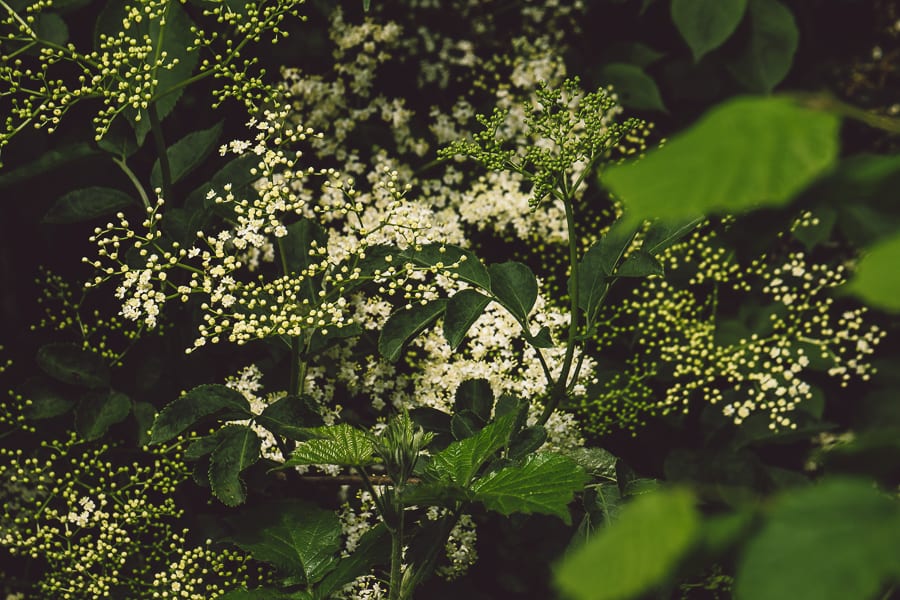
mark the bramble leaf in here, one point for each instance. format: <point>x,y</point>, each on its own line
<point>544,484</point>
<point>458,463</point>
<point>297,538</point>
<point>340,444</point>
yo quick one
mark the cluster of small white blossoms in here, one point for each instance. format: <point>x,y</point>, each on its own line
<point>766,367</point>
<point>97,527</point>
<point>460,547</point>
<point>248,382</point>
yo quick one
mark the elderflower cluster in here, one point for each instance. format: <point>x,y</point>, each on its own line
<point>96,525</point>
<point>460,547</point>
<point>761,361</point>
<point>145,53</point>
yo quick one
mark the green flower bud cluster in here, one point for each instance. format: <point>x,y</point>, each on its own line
<point>103,526</point>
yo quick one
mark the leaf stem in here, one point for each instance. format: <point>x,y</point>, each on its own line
<point>134,180</point>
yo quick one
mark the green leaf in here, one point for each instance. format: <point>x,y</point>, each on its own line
<point>635,554</point>
<point>765,150</point>
<point>527,441</point>
<point>204,446</point>
<point>450,259</point>
<point>475,395</point>
<point>52,28</point>
<point>706,24</point>
<point>596,461</point>
<point>639,264</point>
<point>263,594</point>
<point>235,173</point>
<point>238,449</point>
<point>98,410</point>
<point>459,462</point>
<point>86,204</point>
<point>599,263</point>
<point>297,538</point>
<point>662,235</point>
<point>70,363</point>
<point>515,287</point>
<point>876,280</point>
<point>291,417</point>
<point>200,402</point>
<point>340,444</point>
<point>634,88</point>
<point>544,484</point>
<point>49,161</point>
<point>463,309</point>
<point>188,153</point>
<point>465,424</point>
<point>770,52</point>
<point>372,548</point>
<point>44,398</point>
<point>301,237</point>
<point>633,53</point>
<point>405,324</point>
<point>837,540</point>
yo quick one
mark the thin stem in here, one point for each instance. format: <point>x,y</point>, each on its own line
<point>161,150</point>
<point>396,555</point>
<point>134,180</point>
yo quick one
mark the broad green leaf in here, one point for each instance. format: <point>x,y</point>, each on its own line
<point>188,153</point>
<point>297,538</point>
<point>633,53</point>
<point>97,410</point>
<point>545,484</point>
<point>635,554</point>
<point>48,161</point>
<point>634,88</point>
<point>340,444</point>
<point>465,423</point>
<point>372,548</point>
<point>205,445</point>
<point>599,263</point>
<point>86,204</point>
<point>70,363</point>
<point>515,287</point>
<point>405,324</point>
<point>596,461</point>
<point>876,281</point>
<point>119,140</point>
<point>764,151</point>
<point>200,402</point>
<point>706,24</point>
<point>291,417</point>
<point>458,463</point>
<point>542,339</point>
<point>527,441</point>
<point>602,504</point>
<point>238,449</point>
<point>639,264</point>
<point>662,235</point>
<point>770,52</point>
<point>52,28</point>
<point>453,260</point>
<point>144,413</point>
<point>44,398</point>
<point>463,309</point>
<point>836,540</point>
<point>475,395</point>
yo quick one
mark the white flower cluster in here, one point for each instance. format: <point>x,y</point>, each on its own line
<point>460,548</point>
